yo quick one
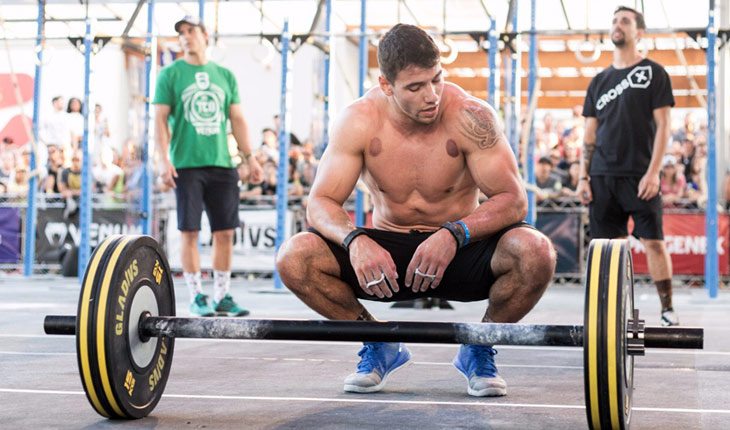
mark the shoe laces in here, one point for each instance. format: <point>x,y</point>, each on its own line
<point>201,300</point>
<point>227,301</point>
<point>368,357</point>
<point>484,360</point>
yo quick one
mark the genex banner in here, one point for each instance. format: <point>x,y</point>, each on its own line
<point>54,231</point>
<point>253,243</point>
<point>684,235</point>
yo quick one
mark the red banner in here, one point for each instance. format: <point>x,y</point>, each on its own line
<point>684,235</point>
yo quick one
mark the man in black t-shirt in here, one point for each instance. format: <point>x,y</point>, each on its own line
<point>627,110</point>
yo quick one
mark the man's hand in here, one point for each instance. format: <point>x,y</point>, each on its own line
<point>583,191</point>
<point>257,172</point>
<point>648,186</point>
<point>429,263</point>
<point>374,267</point>
<point>168,174</point>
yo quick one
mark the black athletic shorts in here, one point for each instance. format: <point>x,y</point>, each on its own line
<point>467,279</point>
<point>214,189</point>
<point>615,198</point>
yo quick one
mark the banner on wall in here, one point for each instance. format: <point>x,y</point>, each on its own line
<point>9,235</point>
<point>53,231</point>
<point>253,243</point>
<point>684,235</point>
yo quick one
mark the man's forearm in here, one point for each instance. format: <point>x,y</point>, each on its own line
<point>585,165</point>
<point>329,218</point>
<point>494,214</point>
<point>240,133</point>
<point>162,138</point>
<point>660,147</point>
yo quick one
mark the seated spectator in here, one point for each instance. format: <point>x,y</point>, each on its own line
<point>18,182</point>
<point>546,181</point>
<point>54,168</point>
<point>688,152</point>
<point>295,183</point>
<point>673,182</point>
<point>308,165</point>
<point>108,176</point>
<point>570,184</point>
<point>268,187</point>
<point>696,178</point>
<point>269,149</point>
<point>70,184</point>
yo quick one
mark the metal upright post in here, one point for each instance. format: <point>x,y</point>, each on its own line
<point>711,222</point>
<point>530,158</point>
<point>201,10</point>
<point>326,80</point>
<point>86,184</point>
<point>514,88</point>
<point>146,217</point>
<point>32,212</point>
<point>492,55</point>
<point>282,176</point>
<point>359,197</point>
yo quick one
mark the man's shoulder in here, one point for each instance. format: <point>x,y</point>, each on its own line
<point>364,111</point>
<point>221,69</point>
<point>652,63</point>
<point>460,106</point>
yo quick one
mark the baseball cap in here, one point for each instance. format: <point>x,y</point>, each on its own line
<point>669,160</point>
<point>190,19</point>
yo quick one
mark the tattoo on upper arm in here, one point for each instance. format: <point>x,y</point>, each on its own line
<point>478,125</point>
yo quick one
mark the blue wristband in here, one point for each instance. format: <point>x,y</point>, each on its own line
<point>467,234</point>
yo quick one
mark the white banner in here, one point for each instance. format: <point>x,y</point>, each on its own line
<point>253,242</point>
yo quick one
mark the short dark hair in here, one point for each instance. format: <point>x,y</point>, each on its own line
<point>56,98</point>
<point>545,160</point>
<point>406,45</point>
<point>639,17</point>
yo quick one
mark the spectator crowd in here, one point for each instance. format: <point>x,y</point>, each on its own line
<point>116,175</point>
<point>558,151</point>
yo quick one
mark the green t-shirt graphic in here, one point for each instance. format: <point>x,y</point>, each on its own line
<point>199,98</point>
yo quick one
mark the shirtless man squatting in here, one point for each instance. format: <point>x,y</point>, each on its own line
<point>425,149</point>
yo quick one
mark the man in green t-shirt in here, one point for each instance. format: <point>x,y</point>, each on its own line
<point>201,97</point>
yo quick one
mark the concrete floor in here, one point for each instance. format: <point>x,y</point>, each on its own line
<point>298,384</point>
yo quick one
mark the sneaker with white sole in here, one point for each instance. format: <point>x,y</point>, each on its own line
<point>227,307</point>
<point>476,363</point>
<point>669,317</point>
<point>378,360</point>
<point>200,306</point>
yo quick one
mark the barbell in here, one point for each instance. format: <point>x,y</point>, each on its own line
<point>125,330</point>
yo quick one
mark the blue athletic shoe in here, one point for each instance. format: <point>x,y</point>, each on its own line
<point>377,361</point>
<point>476,363</point>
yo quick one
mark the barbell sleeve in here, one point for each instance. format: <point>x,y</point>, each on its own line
<point>390,331</point>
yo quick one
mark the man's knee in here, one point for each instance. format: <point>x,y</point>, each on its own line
<point>654,246</point>
<point>190,237</point>
<point>533,253</point>
<point>223,236</point>
<point>295,257</point>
